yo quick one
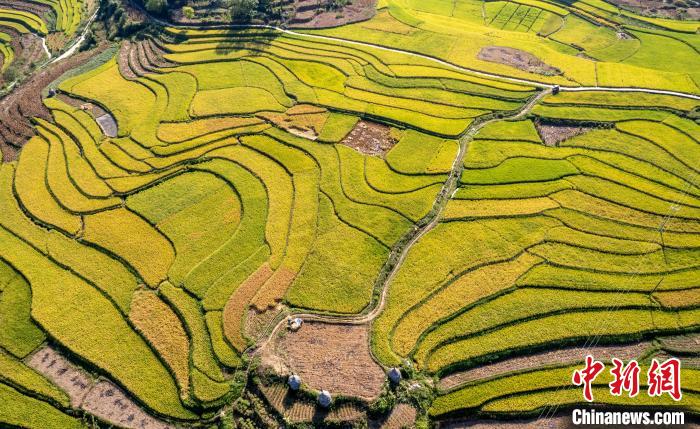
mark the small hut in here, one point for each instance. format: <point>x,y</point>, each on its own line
<point>294,382</point>
<point>325,399</point>
<point>394,375</point>
<point>295,323</point>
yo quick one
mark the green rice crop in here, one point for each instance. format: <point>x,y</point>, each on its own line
<point>338,275</point>
<point>19,335</point>
<point>25,411</point>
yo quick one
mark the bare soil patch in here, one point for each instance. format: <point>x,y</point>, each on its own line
<point>687,9</point>
<point>333,357</point>
<point>682,343</point>
<point>311,14</point>
<point>110,403</point>
<point>516,58</point>
<point>297,408</point>
<point>370,138</point>
<point>102,399</point>
<point>24,102</point>
<point>572,355</point>
<point>553,135</point>
<point>73,380</point>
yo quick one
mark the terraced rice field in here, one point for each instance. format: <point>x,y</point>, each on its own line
<point>24,26</point>
<point>222,178</point>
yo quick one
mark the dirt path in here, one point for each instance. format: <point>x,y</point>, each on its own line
<point>76,44</point>
<point>399,252</point>
<point>453,66</point>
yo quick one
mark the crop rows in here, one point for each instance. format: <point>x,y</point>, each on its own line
<point>28,21</point>
<point>226,191</point>
<point>591,42</point>
<point>550,246</point>
<point>201,210</point>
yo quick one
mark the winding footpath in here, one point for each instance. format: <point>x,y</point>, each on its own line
<point>400,251</point>
<point>76,44</point>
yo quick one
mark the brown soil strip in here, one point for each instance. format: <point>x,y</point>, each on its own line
<point>74,381</point>
<point>297,409</point>
<point>24,103</point>
<point>659,8</point>
<point>109,403</point>
<point>604,353</point>
<point>553,135</point>
<point>309,14</point>
<point>257,323</point>
<point>123,61</point>
<point>516,58</point>
<point>682,343</point>
<point>102,399</point>
<point>402,416</point>
<point>333,357</point>
<point>370,138</point>
<point>38,9</point>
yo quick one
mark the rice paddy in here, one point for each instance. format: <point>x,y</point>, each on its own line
<point>246,181</point>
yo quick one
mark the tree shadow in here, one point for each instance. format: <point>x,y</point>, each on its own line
<point>253,40</point>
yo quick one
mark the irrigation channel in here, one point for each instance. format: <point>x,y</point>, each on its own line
<point>400,250</point>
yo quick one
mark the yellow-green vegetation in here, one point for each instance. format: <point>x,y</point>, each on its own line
<point>25,411</point>
<point>619,47</point>
<point>163,329</point>
<point>60,20</point>
<point>536,242</point>
<point>155,256</point>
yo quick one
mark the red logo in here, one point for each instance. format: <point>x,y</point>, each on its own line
<point>665,378</point>
<point>586,376</point>
<point>626,378</point>
<point>662,378</point>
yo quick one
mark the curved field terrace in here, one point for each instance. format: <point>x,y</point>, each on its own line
<point>425,213</point>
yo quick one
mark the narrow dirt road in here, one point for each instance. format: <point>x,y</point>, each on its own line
<point>400,251</point>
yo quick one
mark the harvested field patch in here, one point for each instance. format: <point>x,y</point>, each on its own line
<point>257,323</point>
<point>102,399</point>
<point>298,409</point>
<point>516,58</point>
<point>402,416</point>
<point>553,135</point>
<point>370,138</point>
<point>110,403</point>
<point>334,357</point>
<point>310,14</point>
<point>73,380</point>
<point>682,343</point>
<point>563,356</point>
